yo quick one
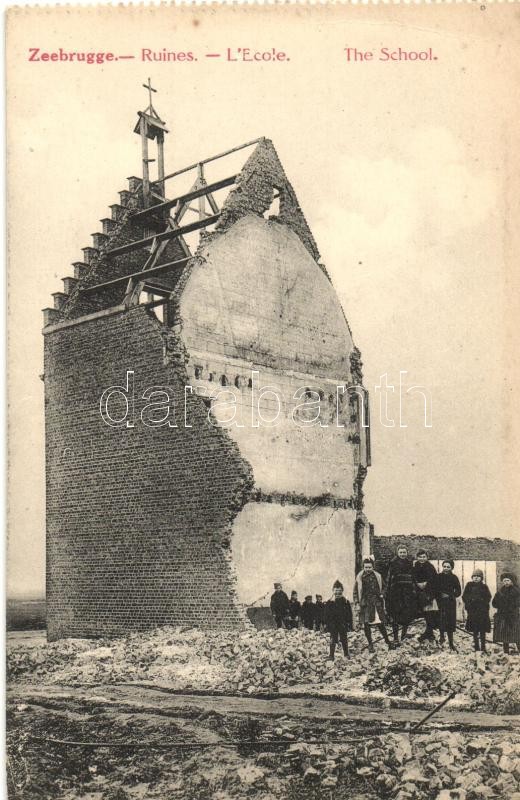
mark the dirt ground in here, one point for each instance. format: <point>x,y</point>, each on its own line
<point>126,743</point>
<point>185,749</point>
<point>138,740</point>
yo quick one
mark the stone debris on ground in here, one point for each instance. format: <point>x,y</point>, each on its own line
<point>284,758</point>
<point>438,765</point>
<point>406,676</point>
<point>271,661</point>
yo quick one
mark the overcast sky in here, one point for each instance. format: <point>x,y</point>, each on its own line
<point>402,170</point>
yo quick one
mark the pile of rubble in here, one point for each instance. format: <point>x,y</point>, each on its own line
<point>434,766</point>
<point>496,684</point>
<point>173,655</point>
<point>270,661</point>
<point>406,676</point>
<point>42,661</point>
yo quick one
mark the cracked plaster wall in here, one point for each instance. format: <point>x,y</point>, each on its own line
<point>256,299</point>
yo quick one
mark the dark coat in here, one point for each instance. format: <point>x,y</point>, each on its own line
<point>448,586</point>
<point>425,573</point>
<point>319,615</point>
<point>308,613</point>
<point>367,593</point>
<point>295,608</point>
<point>279,604</point>
<point>401,593</point>
<point>476,598</point>
<point>338,615</point>
<point>506,624</point>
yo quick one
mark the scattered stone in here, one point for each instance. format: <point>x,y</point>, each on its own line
<point>269,661</point>
<point>329,782</point>
<point>311,775</point>
<point>250,774</point>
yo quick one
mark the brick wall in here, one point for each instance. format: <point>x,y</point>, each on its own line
<point>455,547</point>
<point>138,519</point>
<point>260,178</point>
<point>148,526</point>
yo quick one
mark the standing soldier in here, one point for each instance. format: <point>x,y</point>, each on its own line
<point>319,613</point>
<point>448,586</point>
<point>338,618</point>
<point>308,613</point>
<point>401,592</point>
<point>368,597</point>
<point>279,605</point>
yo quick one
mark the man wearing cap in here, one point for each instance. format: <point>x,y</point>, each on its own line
<point>279,605</point>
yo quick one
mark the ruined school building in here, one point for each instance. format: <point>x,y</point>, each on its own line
<point>154,524</point>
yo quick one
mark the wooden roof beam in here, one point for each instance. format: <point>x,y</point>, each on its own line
<point>186,198</point>
<point>174,233</point>
<point>212,158</point>
<point>137,275</point>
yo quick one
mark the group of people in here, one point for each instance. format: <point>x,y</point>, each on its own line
<point>412,589</point>
<point>290,613</point>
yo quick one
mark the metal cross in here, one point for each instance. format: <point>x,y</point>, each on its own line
<point>150,90</point>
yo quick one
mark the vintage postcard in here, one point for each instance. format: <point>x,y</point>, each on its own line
<point>263,303</point>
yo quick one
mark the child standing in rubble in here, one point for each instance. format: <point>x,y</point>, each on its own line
<point>506,625</point>
<point>368,599</point>
<point>295,611</point>
<point>338,618</point>
<point>279,605</point>
<point>319,614</point>
<point>308,613</point>
<point>448,588</point>
<point>476,599</point>
<point>401,592</point>
<point>425,577</point>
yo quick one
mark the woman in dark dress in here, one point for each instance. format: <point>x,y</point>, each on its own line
<point>506,625</point>
<point>400,592</point>
<point>476,599</point>
<point>368,600</point>
<point>448,587</point>
<point>425,577</point>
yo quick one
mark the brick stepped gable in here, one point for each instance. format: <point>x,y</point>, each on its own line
<point>261,175</point>
<point>117,229</point>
